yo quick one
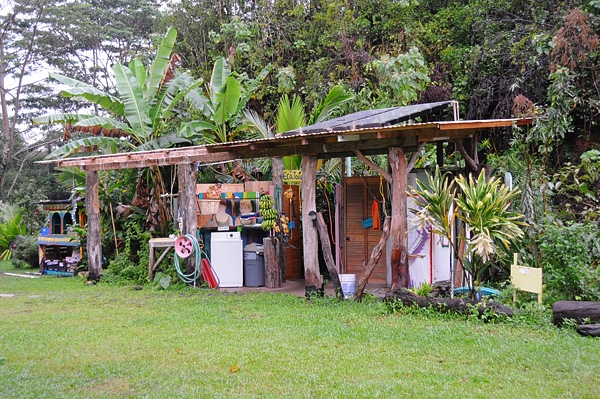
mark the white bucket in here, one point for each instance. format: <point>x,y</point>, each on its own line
<point>348,282</point>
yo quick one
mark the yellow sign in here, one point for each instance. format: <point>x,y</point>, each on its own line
<point>292,175</point>
<point>526,278</point>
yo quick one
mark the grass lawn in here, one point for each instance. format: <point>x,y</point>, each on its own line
<point>61,339</point>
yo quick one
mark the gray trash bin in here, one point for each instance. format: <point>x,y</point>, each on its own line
<point>254,265</point>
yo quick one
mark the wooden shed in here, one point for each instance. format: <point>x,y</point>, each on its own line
<point>396,132</point>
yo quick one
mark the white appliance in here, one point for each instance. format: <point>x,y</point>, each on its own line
<point>227,258</point>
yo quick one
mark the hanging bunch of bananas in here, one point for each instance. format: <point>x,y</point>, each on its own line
<point>283,222</point>
<point>269,214</point>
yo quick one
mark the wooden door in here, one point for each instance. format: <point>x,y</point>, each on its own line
<point>293,251</point>
<point>359,239</point>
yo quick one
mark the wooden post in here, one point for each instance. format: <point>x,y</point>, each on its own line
<point>439,153</point>
<point>94,241</point>
<point>272,271</point>
<point>310,243</point>
<point>399,225</point>
<point>277,177</point>
<point>186,174</point>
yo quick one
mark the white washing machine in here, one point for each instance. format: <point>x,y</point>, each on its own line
<point>227,258</point>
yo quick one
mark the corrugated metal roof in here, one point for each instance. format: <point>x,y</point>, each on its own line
<point>372,118</point>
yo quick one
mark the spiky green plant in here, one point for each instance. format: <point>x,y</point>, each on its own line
<point>435,201</point>
<point>484,207</point>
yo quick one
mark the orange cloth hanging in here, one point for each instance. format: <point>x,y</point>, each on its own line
<point>375,212</point>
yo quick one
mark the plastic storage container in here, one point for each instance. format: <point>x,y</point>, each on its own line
<point>254,265</point>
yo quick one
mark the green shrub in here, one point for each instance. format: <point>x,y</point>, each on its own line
<point>25,252</point>
<point>131,264</point>
<point>571,254</point>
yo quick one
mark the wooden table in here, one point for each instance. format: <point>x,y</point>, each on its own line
<point>166,243</point>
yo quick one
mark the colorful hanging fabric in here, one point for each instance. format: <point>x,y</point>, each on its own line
<point>375,212</point>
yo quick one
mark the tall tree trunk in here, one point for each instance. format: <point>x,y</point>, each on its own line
<point>9,128</point>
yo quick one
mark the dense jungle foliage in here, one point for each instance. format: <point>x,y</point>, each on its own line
<point>499,59</point>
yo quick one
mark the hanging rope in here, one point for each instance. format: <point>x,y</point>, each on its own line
<point>381,191</point>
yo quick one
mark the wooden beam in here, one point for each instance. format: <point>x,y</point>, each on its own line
<point>94,241</point>
<point>321,144</point>
<point>413,157</point>
<point>310,243</point>
<point>471,162</point>
<point>374,166</point>
<point>475,125</point>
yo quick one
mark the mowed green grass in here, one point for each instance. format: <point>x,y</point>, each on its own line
<point>61,339</point>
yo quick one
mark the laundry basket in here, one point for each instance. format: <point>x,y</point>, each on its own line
<point>208,206</point>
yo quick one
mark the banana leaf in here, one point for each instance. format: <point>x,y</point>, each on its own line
<point>170,96</point>
<point>90,93</point>
<point>138,70</point>
<point>162,142</point>
<point>160,63</point>
<point>219,77</point>
<point>136,106</point>
<point>227,100</point>
<point>109,143</point>
<point>201,102</point>
<point>106,123</point>
<point>60,118</point>
<point>192,130</point>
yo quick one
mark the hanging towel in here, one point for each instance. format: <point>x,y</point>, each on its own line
<point>375,213</point>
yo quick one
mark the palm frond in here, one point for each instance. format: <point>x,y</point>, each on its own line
<point>290,114</point>
<point>336,97</point>
<point>261,128</point>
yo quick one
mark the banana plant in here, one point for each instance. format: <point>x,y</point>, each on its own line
<point>147,113</point>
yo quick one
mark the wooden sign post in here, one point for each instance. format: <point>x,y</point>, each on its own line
<point>527,279</point>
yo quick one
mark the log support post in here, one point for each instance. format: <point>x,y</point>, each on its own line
<point>94,242</point>
<point>310,243</point>
<point>399,224</point>
<point>273,276</point>
<point>188,205</point>
<point>277,176</point>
